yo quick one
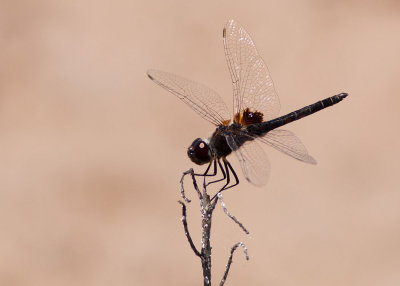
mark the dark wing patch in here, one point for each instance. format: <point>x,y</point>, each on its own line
<point>247,117</point>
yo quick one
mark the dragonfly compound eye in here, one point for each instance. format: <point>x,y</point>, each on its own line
<point>199,152</point>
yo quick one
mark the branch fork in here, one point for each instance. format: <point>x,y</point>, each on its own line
<point>207,206</point>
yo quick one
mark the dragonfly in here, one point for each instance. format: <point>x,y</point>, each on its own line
<point>255,114</point>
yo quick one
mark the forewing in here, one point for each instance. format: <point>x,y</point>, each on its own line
<point>252,84</point>
<point>199,97</point>
<point>288,143</point>
<point>253,160</point>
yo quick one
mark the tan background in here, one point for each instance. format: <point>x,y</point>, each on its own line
<point>91,151</point>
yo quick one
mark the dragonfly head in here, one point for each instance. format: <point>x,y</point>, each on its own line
<point>199,151</point>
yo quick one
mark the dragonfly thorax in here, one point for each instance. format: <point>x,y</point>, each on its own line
<point>218,144</point>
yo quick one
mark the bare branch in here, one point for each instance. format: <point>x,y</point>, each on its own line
<point>219,196</point>
<point>228,266</point>
<point>191,172</point>
<point>207,207</point>
<point>187,229</point>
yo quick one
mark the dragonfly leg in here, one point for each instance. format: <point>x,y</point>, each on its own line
<point>228,167</point>
<point>205,174</point>
<point>223,174</point>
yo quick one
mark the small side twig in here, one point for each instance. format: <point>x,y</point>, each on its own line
<point>219,196</point>
<point>228,266</point>
<point>191,172</point>
<point>185,226</point>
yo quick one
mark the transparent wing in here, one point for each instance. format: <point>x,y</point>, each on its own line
<point>253,160</point>
<point>200,98</point>
<point>288,143</point>
<point>252,84</point>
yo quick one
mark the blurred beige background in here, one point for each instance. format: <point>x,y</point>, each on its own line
<point>91,151</point>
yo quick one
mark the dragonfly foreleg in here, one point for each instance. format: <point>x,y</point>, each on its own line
<point>205,174</point>
<point>223,174</point>
<point>228,167</point>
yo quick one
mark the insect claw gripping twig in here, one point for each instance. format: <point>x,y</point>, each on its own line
<point>228,265</point>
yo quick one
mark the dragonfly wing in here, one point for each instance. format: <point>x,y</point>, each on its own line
<point>288,143</point>
<point>199,97</point>
<point>252,84</point>
<point>253,160</point>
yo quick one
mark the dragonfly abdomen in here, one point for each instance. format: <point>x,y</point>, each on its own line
<point>261,128</point>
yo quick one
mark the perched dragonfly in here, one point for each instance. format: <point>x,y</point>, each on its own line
<point>256,108</point>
